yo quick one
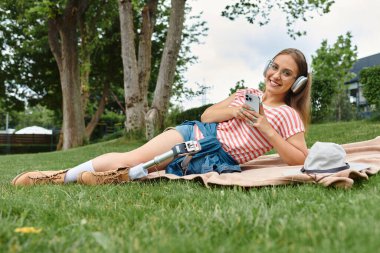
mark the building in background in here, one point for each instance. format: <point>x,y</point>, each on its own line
<point>355,90</point>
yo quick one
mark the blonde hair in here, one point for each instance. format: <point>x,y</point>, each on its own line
<point>300,101</point>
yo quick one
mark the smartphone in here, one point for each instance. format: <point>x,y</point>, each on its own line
<point>253,101</point>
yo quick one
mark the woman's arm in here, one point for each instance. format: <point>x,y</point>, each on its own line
<point>292,151</point>
<point>221,111</point>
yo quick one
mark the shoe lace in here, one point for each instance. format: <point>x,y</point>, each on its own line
<point>48,178</point>
<point>111,176</point>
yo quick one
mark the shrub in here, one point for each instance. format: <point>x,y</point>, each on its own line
<point>177,116</point>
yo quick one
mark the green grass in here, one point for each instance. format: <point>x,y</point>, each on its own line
<point>181,216</point>
<point>344,132</point>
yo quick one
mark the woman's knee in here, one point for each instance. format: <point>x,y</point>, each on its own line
<point>111,161</point>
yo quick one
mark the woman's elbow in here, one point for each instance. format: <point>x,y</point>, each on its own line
<point>205,117</point>
<point>296,161</point>
<point>206,120</point>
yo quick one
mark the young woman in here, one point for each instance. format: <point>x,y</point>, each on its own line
<point>230,132</point>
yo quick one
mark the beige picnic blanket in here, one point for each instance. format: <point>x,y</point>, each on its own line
<point>270,170</point>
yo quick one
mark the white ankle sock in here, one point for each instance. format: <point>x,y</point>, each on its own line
<point>72,174</point>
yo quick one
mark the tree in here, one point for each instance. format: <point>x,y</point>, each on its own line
<point>37,115</point>
<point>33,66</point>
<point>162,93</point>
<point>135,97</point>
<point>34,27</point>
<point>34,16</point>
<point>135,87</point>
<point>99,59</point>
<point>262,86</point>
<point>10,35</point>
<point>370,79</point>
<point>57,22</point>
<point>331,70</point>
<point>238,86</point>
<point>258,11</point>
<point>63,42</point>
<point>137,65</point>
<point>76,18</point>
<point>136,76</point>
<point>322,94</point>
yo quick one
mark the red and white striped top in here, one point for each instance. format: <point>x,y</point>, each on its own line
<point>244,142</point>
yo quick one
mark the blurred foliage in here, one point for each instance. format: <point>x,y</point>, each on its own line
<point>238,86</point>
<point>370,79</point>
<point>331,70</point>
<point>258,12</point>
<point>177,116</point>
<point>29,70</point>
<point>34,116</point>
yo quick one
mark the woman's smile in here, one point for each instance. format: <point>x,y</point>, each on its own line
<point>274,83</point>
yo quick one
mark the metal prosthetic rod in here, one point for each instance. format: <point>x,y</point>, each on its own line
<point>187,148</point>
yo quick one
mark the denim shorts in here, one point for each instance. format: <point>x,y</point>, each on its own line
<point>211,157</point>
<point>187,132</point>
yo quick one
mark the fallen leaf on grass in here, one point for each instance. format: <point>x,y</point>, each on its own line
<point>28,230</point>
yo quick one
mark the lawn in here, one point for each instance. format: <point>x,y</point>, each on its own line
<point>185,216</point>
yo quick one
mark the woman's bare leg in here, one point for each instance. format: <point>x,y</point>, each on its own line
<point>157,146</point>
<point>111,161</point>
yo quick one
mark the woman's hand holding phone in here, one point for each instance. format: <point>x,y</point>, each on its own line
<point>253,101</point>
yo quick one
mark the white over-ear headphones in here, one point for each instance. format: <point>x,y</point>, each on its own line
<point>297,85</point>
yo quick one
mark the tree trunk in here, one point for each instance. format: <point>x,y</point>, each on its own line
<point>73,120</point>
<point>96,117</point>
<point>145,49</point>
<point>60,141</point>
<point>162,93</point>
<point>118,102</point>
<point>85,58</point>
<point>63,42</point>
<point>134,107</point>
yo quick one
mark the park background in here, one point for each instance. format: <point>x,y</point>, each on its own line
<point>237,50</point>
<point>222,49</point>
<point>183,216</point>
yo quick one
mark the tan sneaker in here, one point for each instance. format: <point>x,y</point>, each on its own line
<point>109,177</point>
<point>40,177</point>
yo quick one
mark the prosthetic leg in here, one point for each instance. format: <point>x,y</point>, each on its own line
<point>187,149</point>
<point>123,175</point>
